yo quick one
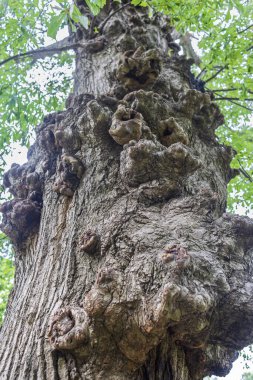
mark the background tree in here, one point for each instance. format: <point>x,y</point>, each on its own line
<point>162,277</point>
<point>6,282</point>
<point>247,376</point>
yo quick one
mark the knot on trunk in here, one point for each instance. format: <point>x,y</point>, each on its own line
<point>175,252</point>
<point>95,45</point>
<point>149,160</point>
<point>68,329</point>
<point>212,360</point>
<point>208,117</point>
<point>88,241</point>
<point>22,180</point>
<point>171,132</point>
<point>192,102</point>
<point>126,42</point>
<point>46,139</point>
<point>138,69</point>
<point>21,217</point>
<point>206,121</point>
<point>126,125</point>
<point>106,287</point>
<point>70,171</point>
<point>99,120</point>
<point>67,137</point>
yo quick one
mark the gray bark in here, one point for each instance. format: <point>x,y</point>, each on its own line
<point>127,264</point>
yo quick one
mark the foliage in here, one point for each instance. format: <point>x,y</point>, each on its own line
<point>247,376</point>
<point>24,99</point>
<point>6,283</point>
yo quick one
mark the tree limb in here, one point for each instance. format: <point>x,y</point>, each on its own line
<point>226,98</point>
<point>215,75</point>
<point>55,48</point>
<point>102,25</point>
<point>244,172</point>
<point>232,101</point>
<point>244,30</point>
<point>202,72</point>
<point>223,89</point>
<point>185,41</point>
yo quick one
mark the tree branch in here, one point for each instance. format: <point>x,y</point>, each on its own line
<point>215,75</point>
<point>202,72</point>
<point>244,172</point>
<point>223,89</point>
<point>185,41</point>
<point>238,104</point>
<point>226,98</point>
<point>55,48</point>
<point>102,25</point>
<point>244,30</point>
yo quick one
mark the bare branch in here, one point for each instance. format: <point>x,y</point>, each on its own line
<point>236,103</point>
<point>189,51</point>
<point>102,25</point>
<point>244,172</point>
<point>202,72</point>
<point>223,89</point>
<point>41,53</point>
<point>226,98</point>
<point>215,75</point>
<point>244,30</point>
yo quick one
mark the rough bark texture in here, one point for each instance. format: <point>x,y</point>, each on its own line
<point>127,264</point>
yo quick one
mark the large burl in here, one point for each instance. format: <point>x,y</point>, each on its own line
<point>131,267</point>
<point>139,68</point>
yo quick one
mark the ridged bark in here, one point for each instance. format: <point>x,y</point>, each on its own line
<point>127,264</point>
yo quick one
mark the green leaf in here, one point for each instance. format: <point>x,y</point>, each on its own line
<point>74,12</point>
<point>55,24</point>
<point>84,21</point>
<point>95,6</point>
<point>77,16</point>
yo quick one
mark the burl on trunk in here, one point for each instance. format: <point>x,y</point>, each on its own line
<point>127,264</point>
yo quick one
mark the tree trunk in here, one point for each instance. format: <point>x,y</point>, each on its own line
<point>127,266</point>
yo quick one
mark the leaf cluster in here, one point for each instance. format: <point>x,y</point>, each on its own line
<point>6,283</point>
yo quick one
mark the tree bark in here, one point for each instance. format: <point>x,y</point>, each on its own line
<point>127,264</point>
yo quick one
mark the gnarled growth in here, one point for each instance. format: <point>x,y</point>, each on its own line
<point>68,329</point>
<point>139,68</point>
<point>156,276</point>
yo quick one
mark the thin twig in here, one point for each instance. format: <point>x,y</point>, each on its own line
<point>223,89</point>
<point>244,30</point>
<point>102,25</point>
<point>215,75</point>
<point>226,98</point>
<point>202,72</point>
<point>238,104</point>
<point>246,175</point>
<point>244,172</point>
